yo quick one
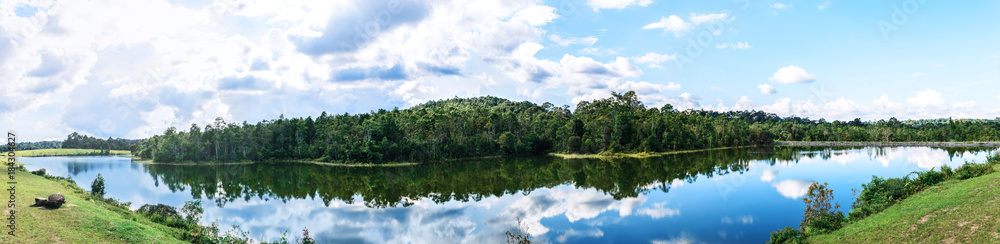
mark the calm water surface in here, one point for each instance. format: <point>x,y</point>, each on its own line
<point>725,196</point>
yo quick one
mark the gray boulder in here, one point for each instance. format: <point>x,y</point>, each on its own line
<point>55,200</point>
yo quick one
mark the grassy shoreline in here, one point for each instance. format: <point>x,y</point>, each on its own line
<point>77,221</point>
<point>636,155</point>
<point>954,211</point>
<point>67,152</point>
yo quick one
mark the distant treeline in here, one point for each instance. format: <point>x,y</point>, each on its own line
<point>491,126</point>
<point>76,140</point>
<point>38,145</point>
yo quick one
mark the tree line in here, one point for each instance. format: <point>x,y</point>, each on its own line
<point>491,126</point>
<point>76,140</point>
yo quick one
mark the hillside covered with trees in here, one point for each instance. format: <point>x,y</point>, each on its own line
<point>491,126</point>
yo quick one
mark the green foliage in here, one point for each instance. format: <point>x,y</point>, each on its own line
<point>519,235</point>
<point>39,172</point>
<point>306,239</point>
<point>821,214</point>
<point>788,235</point>
<point>877,195</point>
<point>970,170</point>
<point>97,187</point>
<point>192,211</point>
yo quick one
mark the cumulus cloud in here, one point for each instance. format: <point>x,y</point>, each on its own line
<point>673,23</point>
<point>791,75</point>
<point>766,89</point>
<point>597,5</point>
<point>927,98</point>
<point>768,175</point>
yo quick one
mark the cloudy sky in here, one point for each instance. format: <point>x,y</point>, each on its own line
<point>132,68</point>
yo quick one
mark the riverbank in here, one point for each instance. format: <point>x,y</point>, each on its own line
<point>889,144</point>
<point>955,211</point>
<point>67,152</point>
<point>635,155</point>
<point>77,221</point>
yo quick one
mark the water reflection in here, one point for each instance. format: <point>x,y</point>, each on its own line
<point>657,200</point>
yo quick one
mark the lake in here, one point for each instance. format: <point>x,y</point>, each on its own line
<point>720,196</point>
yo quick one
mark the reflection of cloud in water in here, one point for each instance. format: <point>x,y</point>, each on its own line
<point>658,211</point>
<point>927,158</point>
<point>884,155</point>
<point>575,204</point>
<point>768,175</point>
<point>683,239</point>
<point>575,233</point>
<point>792,188</point>
<point>745,219</point>
<point>845,157</point>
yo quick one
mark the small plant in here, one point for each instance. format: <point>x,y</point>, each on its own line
<point>39,172</point>
<point>520,234</point>
<point>946,171</point>
<point>192,211</point>
<point>786,235</point>
<point>97,187</point>
<point>306,239</point>
<point>821,214</point>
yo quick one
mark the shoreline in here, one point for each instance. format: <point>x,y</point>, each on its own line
<point>637,155</point>
<point>890,144</point>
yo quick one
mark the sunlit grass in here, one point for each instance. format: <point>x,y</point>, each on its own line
<point>65,152</point>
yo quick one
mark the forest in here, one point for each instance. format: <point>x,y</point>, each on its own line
<point>76,140</point>
<point>490,126</point>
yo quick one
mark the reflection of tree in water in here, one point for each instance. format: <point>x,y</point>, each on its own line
<point>77,167</point>
<point>462,181</point>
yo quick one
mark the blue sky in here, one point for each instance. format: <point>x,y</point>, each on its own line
<point>133,68</point>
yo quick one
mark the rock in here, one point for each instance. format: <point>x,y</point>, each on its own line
<point>55,200</point>
<point>40,201</point>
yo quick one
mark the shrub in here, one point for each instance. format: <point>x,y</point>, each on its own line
<point>821,215</point>
<point>192,211</point>
<point>39,172</point>
<point>786,235</point>
<point>931,177</point>
<point>970,170</point>
<point>97,187</point>
<point>946,171</point>
<point>878,195</point>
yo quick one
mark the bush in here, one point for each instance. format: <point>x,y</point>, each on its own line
<point>971,170</point>
<point>878,195</point>
<point>786,235</point>
<point>931,177</point>
<point>192,211</point>
<point>39,172</point>
<point>97,187</point>
<point>821,215</point>
<point>946,171</point>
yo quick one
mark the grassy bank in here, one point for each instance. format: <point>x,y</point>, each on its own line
<point>954,211</point>
<point>635,155</point>
<point>67,152</point>
<point>77,221</point>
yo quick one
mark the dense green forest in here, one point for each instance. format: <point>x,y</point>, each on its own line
<point>491,126</point>
<point>76,140</point>
<point>39,145</point>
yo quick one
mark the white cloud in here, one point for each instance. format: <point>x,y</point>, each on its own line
<point>716,88</point>
<point>841,108</point>
<point>766,89</point>
<point>598,51</point>
<point>653,60</point>
<point>559,40</point>
<point>616,4</point>
<point>645,88</point>
<point>658,211</point>
<point>825,5</point>
<point>791,75</point>
<point>744,103</point>
<point>737,45</point>
<point>781,6</point>
<point>698,19</point>
<point>670,24</point>
<point>927,98</point>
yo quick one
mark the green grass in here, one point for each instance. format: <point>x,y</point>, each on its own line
<point>79,220</point>
<point>65,152</point>
<point>954,211</point>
